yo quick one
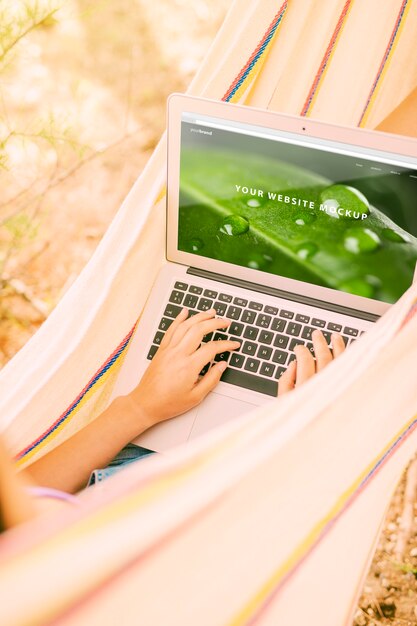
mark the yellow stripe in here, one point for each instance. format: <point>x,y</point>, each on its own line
<point>386,66</point>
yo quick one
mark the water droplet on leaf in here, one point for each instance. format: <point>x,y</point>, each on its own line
<point>358,240</point>
<point>234,225</point>
<point>253,203</point>
<point>395,236</point>
<point>195,245</point>
<point>345,202</point>
<point>303,218</point>
<point>259,261</point>
<point>307,250</point>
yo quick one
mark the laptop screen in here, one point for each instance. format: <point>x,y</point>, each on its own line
<point>296,207</point>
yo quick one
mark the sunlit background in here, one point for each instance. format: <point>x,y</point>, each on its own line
<point>83,86</point>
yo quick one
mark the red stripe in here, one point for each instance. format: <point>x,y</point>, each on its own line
<point>255,52</point>
<point>325,58</point>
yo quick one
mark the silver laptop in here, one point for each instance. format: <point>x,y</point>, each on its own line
<point>284,225</point>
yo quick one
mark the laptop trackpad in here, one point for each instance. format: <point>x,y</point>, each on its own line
<point>216,410</point>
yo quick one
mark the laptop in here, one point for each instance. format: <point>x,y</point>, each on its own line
<point>283,225</point>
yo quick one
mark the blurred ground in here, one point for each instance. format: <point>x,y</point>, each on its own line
<point>103,72</point>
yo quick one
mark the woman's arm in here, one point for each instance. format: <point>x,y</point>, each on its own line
<point>170,386</point>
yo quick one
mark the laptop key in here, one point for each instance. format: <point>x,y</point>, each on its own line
<point>286,314</point>
<point>238,339</point>
<point>250,381</point>
<point>249,347</point>
<point>281,341</point>
<point>208,293</point>
<point>222,356</point>
<point>264,353</point>
<point>240,301</point>
<point>165,323</point>
<point>251,332</point>
<point>220,308</point>
<point>294,329</point>
<point>267,369</point>
<point>327,336</point>
<point>252,365</point>
<point>256,306</point>
<point>345,339</point>
<point>280,357</point>
<point>176,297</point>
<point>296,342</point>
<point>207,337</point>
<point>271,310</point>
<point>307,332</point>
<point>248,317</point>
<point>152,351</point>
<point>205,369</point>
<point>335,328</point>
<point>352,332</point>
<point>190,301</point>
<point>204,304</point>
<point>172,311</point>
<point>195,289</point>
<point>278,325</point>
<point>158,338</point>
<point>219,337</point>
<point>233,312</point>
<point>263,320</point>
<point>310,347</point>
<point>265,336</point>
<point>224,297</point>
<point>181,286</point>
<point>279,372</point>
<point>318,323</point>
<point>304,319</point>
<point>236,360</point>
<point>235,328</point>
<point>292,358</point>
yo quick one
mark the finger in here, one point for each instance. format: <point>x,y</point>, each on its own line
<point>338,345</point>
<point>182,315</point>
<point>194,335</point>
<point>306,366</point>
<point>209,380</point>
<point>321,350</point>
<point>191,321</point>
<point>208,351</point>
<point>287,380</point>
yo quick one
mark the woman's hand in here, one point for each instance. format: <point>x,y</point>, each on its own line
<point>171,384</point>
<point>305,365</point>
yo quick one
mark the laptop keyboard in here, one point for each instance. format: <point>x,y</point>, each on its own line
<point>267,334</point>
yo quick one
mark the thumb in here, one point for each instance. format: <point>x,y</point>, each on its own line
<point>210,380</point>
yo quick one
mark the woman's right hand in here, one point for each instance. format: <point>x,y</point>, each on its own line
<point>171,384</point>
<point>305,365</point>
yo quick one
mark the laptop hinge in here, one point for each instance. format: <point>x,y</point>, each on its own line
<point>287,295</point>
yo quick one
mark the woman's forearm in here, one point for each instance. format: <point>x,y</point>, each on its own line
<point>69,465</point>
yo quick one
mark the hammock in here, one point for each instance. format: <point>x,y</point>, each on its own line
<point>286,503</point>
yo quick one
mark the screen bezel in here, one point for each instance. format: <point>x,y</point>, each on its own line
<point>398,150</point>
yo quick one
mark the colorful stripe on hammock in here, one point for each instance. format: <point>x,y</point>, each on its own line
<point>82,397</point>
<point>325,61</point>
<point>239,83</point>
<point>405,6</point>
